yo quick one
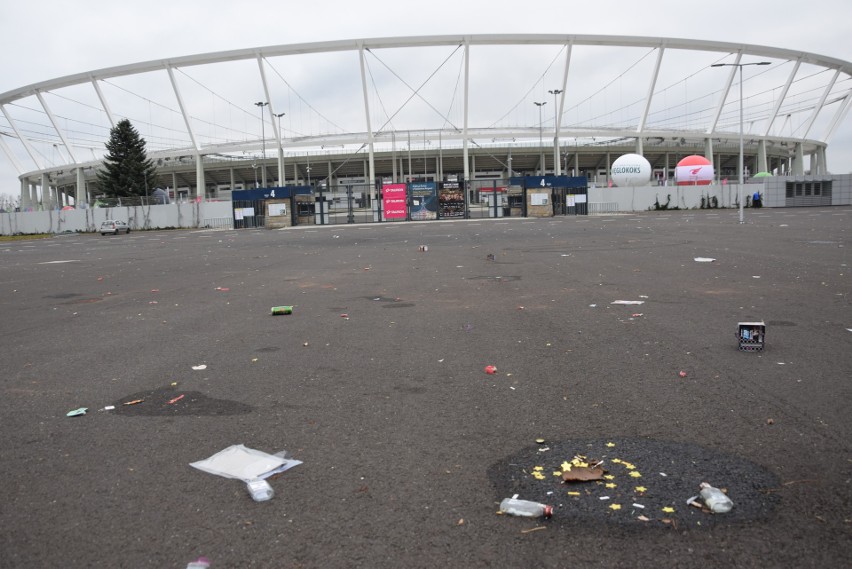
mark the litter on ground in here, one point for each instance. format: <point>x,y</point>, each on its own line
<point>243,463</point>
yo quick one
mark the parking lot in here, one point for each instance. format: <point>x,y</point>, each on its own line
<point>376,382</point>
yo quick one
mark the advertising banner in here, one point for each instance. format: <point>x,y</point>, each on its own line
<point>424,200</point>
<point>393,201</point>
<point>451,200</point>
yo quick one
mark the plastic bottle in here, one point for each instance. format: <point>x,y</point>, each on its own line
<point>260,489</point>
<point>525,508</point>
<point>716,500</point>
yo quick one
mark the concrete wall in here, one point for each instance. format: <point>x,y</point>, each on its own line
<point>177,215</point>
<point>771,189</point>
<point>643,198</point>
<point>841,188</point>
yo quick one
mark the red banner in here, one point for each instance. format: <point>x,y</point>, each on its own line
<point>393,201</point>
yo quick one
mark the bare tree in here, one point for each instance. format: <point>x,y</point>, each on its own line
<point>9,203</point>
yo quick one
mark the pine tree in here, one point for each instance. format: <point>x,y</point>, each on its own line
<point>127,170</point>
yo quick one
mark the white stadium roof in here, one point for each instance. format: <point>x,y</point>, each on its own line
<point>351,107</point>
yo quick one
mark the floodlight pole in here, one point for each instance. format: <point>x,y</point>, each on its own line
<point>557,162</point>
<point>741,168</point>
<point>282,174</point>
<point>540,139</point>
<point>262,104</point>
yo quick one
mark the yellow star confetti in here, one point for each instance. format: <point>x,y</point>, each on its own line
<point>557,473</point>
<point>609,476</point>
<point>629,466</point>
<point>611,485</point>
<point>635,474</point>
<point>538,475</point>
<point>610,445</point>
<point>616,461</point>
<point>573,493</point>
<point>641,489</point>
<point>668,510</point>
<point>615,506</point>
<point>538,468</point>
<point>566,466</point>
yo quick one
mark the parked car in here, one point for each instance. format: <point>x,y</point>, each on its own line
<point>114,226</point>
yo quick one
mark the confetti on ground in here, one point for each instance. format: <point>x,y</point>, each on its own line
<point>199,367</point>
<point>616,490</point>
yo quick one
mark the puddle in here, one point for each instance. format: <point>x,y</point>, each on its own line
<point>659,475</point>
<point>193,404</point>
<point>63,295</point>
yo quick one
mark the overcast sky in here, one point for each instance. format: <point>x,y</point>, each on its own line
<point>44,39</point>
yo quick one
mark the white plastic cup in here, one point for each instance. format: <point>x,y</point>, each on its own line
<point>260,490</point>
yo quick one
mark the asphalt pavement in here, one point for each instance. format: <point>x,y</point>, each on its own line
<point>377,382</point>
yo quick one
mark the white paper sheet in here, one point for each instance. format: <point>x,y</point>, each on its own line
<point>244,463</point>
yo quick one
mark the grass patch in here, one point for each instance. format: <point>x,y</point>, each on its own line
<point>25,237</point>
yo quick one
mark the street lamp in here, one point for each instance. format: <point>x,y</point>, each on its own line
<point>557,163</point>
<point>540,144</point>
<point>262,104</point>
<point>742,159</point>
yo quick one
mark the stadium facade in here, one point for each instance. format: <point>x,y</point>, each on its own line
<point>471,108</point>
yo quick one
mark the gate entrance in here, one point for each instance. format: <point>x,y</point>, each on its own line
<point>568,194</point>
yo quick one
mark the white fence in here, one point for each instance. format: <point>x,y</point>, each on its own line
<point>219,215</point>
<point>644,198</point>
<point>169,216</point>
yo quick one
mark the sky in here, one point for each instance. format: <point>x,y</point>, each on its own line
<point>44,39</point>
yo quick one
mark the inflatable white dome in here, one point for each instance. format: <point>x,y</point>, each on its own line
<point>630,170</point>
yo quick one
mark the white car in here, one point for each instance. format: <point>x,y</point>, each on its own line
<point>114,226</point>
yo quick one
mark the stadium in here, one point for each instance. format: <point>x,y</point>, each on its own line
<point>342,118</point>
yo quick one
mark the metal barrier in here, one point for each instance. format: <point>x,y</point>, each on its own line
<point>602,208</point>
<point>219,223</point>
